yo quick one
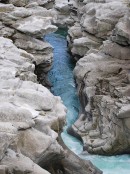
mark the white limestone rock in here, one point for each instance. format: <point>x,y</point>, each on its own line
<point>42,51</point>
<point>64,16</point>
<point>18,163</point>
<point>96,25</point>
<point>35,25</point>
<point>31,118</point>
<point>22,105</point>
<point>103,81</point>
<point>82,45</point>
<point>101,22</point>
<point>30,21</point>
<point>102,76</point>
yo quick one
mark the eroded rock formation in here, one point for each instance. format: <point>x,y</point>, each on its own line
<point>29,113</point>
<point>30,116</point>
<point>101,39</point>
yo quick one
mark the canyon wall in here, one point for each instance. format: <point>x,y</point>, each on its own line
<point>30,116</point>
<point>100,43</point>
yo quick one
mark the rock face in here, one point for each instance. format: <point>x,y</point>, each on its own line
<point>94,27</point>
<point>65,12</point>
<point>29,113</point>
<point>30,116</point>
<point>102,39</point>
<point>22,25</point>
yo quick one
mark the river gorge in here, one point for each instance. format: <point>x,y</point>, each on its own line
<point>63,85</point>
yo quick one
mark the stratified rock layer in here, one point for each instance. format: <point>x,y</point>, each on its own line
<point>103,76</point>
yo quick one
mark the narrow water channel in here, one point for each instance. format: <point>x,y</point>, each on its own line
<point>61,77</point>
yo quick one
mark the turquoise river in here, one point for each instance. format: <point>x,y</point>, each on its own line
<point>61,77</point>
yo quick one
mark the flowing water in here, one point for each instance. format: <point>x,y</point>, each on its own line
<point>61,77</point>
